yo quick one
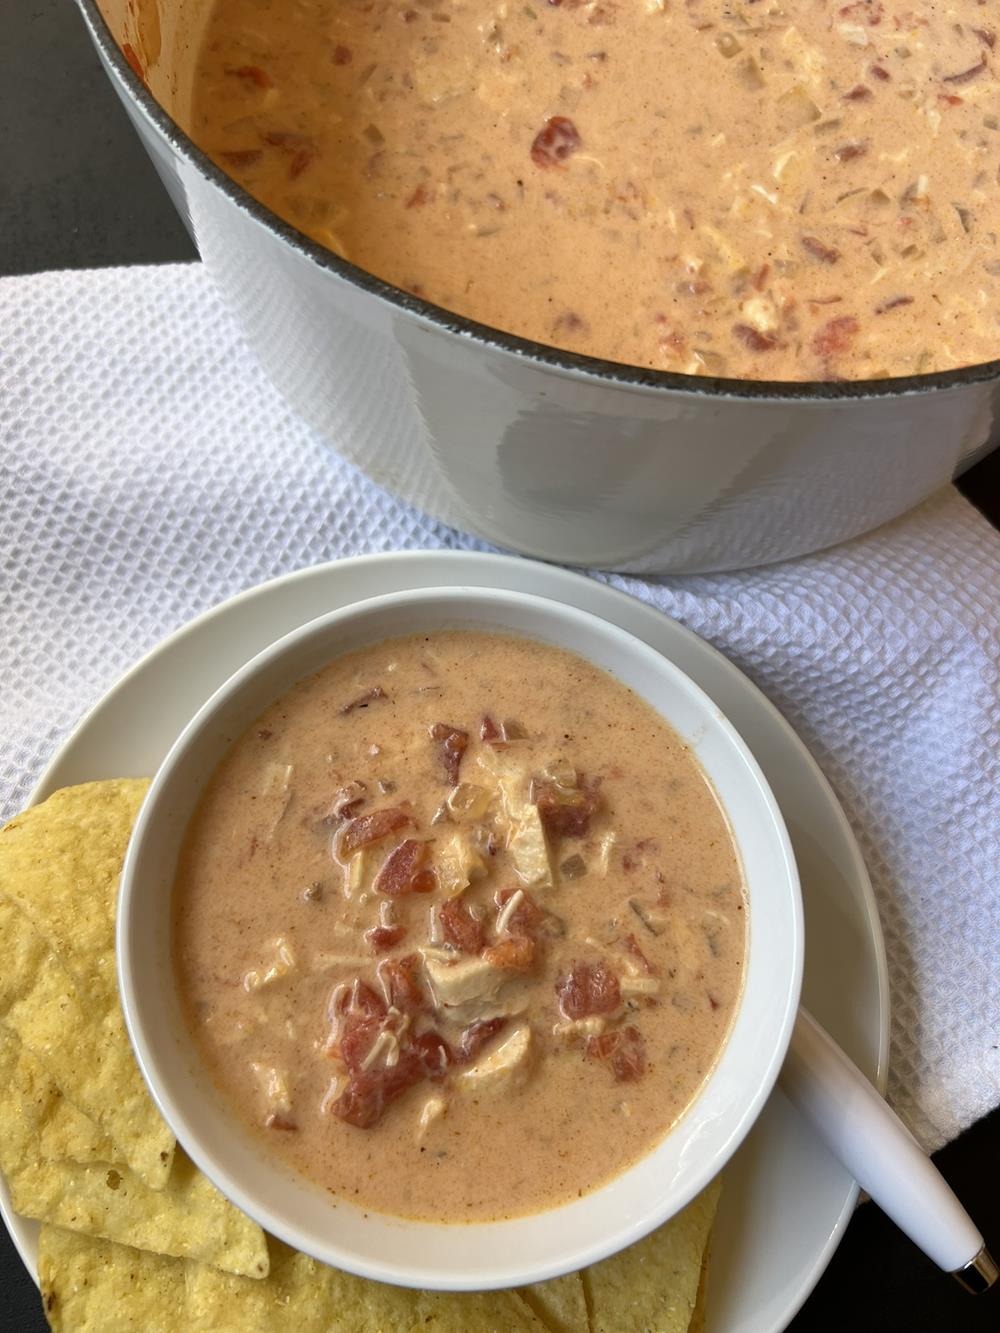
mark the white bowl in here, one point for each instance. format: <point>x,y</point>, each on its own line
<point>464,1256</point>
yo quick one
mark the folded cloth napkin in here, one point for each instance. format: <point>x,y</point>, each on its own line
<point>149,471</point>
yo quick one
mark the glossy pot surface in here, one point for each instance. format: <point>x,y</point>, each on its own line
<point>562,457</point>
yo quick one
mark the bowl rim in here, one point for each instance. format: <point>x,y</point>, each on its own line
<point>653,1213</point>
<point>612,373</point>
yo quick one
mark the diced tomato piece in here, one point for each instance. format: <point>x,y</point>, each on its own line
<point>893,303</point>
<point>356,1040</point>
<point>400,983</point>
<point>622,1050</point>
<point>405,870</point>
<point>475,1037</point>
<point>516,953</point>
<point>826,254</point>
<point>300,148</point>
<point>242,157</point>
<point>373,827</point>
<point>557,140</point>
<point>355,1023</point>
<point>288,139</point>
<point>836,336</point>
<point>566,813</point>
<point>384,938</point>
<point>967,75</point>
<point>342,55</point>
<point>753,339</point>
<point>500,735</point>
<point>527,917</point>
<point>369,1091</point>
<point>346,803</point>
<point>632,944</point>
<point>130,54</point>
<point>365,1002</point>
<point>452,744</point>
<point>300,160</point>
<point>847,152</point>
<point>433,1054</point>
<point>252,74</point>
<point>588,989</point>
<point>420,196</point>
<point>360,1104</point>
<point>363,700</point>
<point>461,929</point>
<point>863,11</point>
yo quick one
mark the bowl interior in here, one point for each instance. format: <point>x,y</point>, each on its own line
<point>481,1255</point>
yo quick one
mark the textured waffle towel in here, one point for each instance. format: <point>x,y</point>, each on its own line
<point>148,471</point>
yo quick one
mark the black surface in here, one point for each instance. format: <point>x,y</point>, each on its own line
<point>77,191</point>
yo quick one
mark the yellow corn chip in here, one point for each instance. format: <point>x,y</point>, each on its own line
<point>698,1317</point>
<point>76,1031</point>
<point>356,1306</point>
<point>653,1284</point>
<point>36,1120</point>
<point>188,1219</point>
<point>60,863</point>
<point>560,1303</point>
<point>92,1062</point>
<point>94,1286</point>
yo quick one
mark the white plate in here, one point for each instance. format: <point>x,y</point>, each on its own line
<point>786,1202</point>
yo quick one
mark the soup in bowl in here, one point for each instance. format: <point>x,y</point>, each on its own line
<point>460,939</point>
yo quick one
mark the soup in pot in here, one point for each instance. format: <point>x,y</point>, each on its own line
<point>780,189</point>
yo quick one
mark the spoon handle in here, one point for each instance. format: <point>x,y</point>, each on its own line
<point>861,1130</point>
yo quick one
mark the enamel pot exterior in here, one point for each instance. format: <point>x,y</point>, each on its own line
<point>565,458</point>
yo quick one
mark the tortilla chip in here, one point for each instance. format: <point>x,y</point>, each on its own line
<point>36,1120</point>
<point>93,1286</point>
<point>653,1284</point>
<point>560,1303</point>
<point>74,1027</point>
<point>698,1315</point>
<point>356,1306</point>
<point>92,1063</point>
<point>188,1219</point>
<point>60,863</point>
<point>58,1170</point>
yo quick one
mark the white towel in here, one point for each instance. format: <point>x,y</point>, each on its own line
<point>149,471</point>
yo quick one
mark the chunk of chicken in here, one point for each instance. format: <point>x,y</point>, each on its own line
<point>469,988</point>
<point>458,863</point>
<point>526,843</point>
<point>506,1066</point>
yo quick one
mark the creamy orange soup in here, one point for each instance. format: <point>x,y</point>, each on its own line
<point>776,189</point>
<point>459,927</point>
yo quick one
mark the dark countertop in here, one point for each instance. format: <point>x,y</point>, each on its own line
<point>76,191</point>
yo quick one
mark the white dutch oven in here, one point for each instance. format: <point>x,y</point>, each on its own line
<point>564,457</point>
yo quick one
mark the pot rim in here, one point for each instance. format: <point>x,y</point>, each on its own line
<point>612,373</point>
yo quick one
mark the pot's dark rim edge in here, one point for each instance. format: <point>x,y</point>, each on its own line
<point>610,372</point>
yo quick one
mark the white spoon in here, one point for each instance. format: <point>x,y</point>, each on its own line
<point>882,1155</point>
